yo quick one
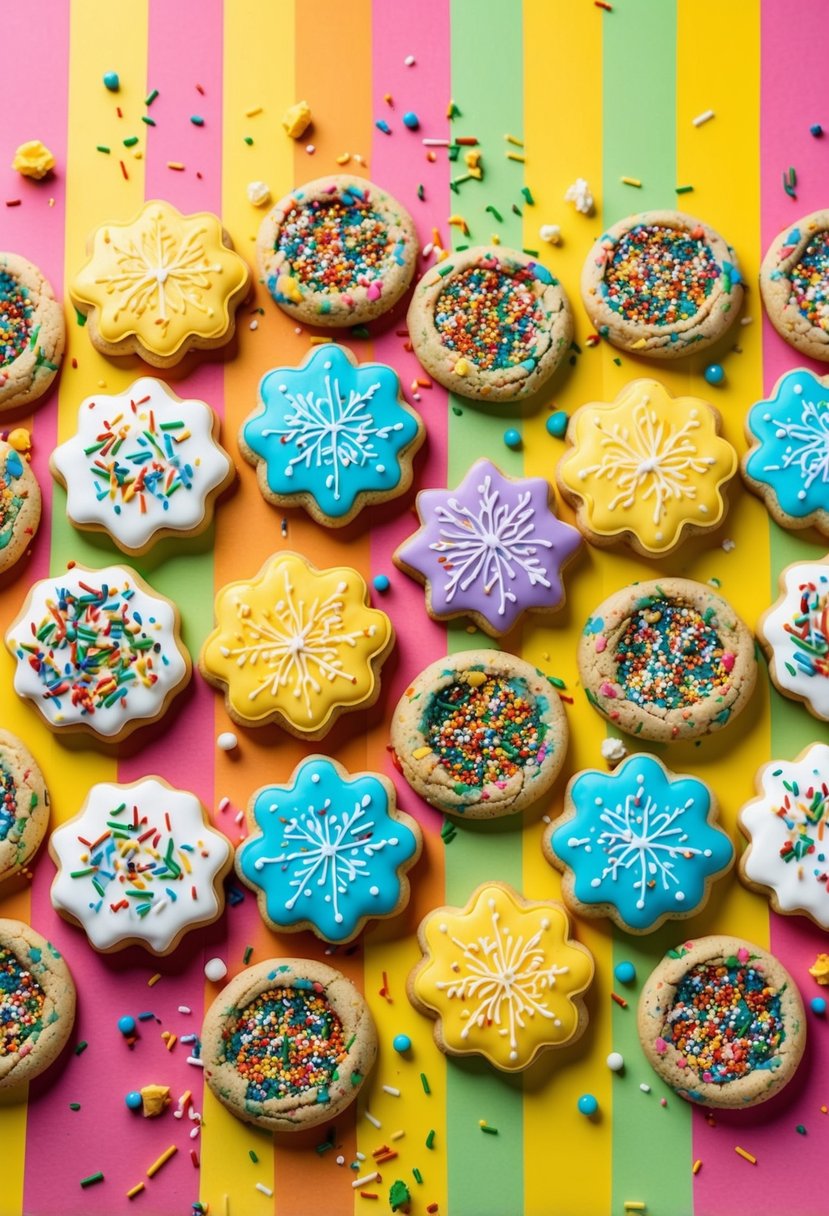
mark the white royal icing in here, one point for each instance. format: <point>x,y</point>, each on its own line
<point>797,629</point>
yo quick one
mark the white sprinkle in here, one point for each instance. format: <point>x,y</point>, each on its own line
<point>259,194</point>
<point>341,1161</point>
<point>374,1122</point>
<point>613,750</point>
<point>184,1009</point>
<point>615,1061</point>
<point>254,325</point>
<point>390,1089</point>
<point>546,819</point>
<point>410,61</point>
<point>239,817</point>
<point>550,233</point>
<point>195,1061</point>
<point>226,741</point>
<point>358,1182</point>
<point>215,969</point>
<point>436,143</point>
<point>360,1156</point>
<point>195,1131</point>
<point>645,1088</point>
<point>187,1038</point>
<point>224,804</point>
<point>705,116</point>
<point>310,149</point>
<point>427,249</point>
<point>266,1190</point>
<point>729,545</point>
<point>746,320</point>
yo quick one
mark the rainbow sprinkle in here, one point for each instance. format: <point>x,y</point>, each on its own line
<point>21,1004</point>
<point>810,282</point>
<point>658,275</point>
<point>16,312</point>
<point>669,655</point>
<point>809,632</point>
<point>491,316</point>
<point>131,464</point>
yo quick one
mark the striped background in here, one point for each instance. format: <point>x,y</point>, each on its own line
<point>594,94</point>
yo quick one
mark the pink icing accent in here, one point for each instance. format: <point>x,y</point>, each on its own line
<point>601,643</point>
<point>680,1062</point>
<point>743,954</point>
<point>607,690</point>
<point>728,660</point>
<point>374,290</point>
<point>660,1045</point>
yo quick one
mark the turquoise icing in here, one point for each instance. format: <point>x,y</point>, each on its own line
<point>792,429</point>
<point>327,850</point>
<point>330,429</point>
<point>640,840</point>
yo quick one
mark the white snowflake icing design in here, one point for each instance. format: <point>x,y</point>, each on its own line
<point>808,450</point>
<point>490,544</point>
<point>506,977</point>
<point>299,645</point>
<point>332,431</point>
<point>157,271</point>
<point>650,460</point>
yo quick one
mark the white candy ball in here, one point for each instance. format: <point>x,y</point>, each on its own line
<point>227,741</point>
<point>215,969</point>
<point>615,1061</point>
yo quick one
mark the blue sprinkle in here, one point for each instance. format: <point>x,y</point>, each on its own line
<point>112,82</point>
<point>816,129</point>
<point>512,438</point>
<point>557,424</point>
<point>381,583</point>
<point>714,374</point>
<point>588,1105</point>
<point>410,120</point>
<point>383,126</point>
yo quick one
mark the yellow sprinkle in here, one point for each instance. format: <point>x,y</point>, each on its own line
<point>420,752</point>
<point>495,239</point>
<point>476,678</point>
<point>344,158</point>
<point>632,1205</point>
<point>318,339</point>
<point>441,254</point>
<point>515,156</point>
<point>457,221</point>
<point>162,1160</point>
<point>638,345</point>
<point>136,1190</point>
<point>462,368</point>
<point>171,1041</point>
<point>153,980</point>
<point>513,139</point>
<point>631,181</point>
<point>741,1152</point>
<point>397,1135</point>
<point>20,439</point>
<point>450,109</point>
<point>175,164</point>
<point>697,1166</point>
<point>286,285</point>
<point>253,112</point>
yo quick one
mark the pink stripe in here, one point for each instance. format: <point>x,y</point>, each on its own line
<point>104,1134</point>
<point>794,47</point>
<point>399,164</point>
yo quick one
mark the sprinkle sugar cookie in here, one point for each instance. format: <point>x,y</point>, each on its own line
<point>661,284</point>
<point>37,1004</point>
<point>721,1021</point>
<point>20,505</point>
<point>480,734</point>
<point>24,806</point>
<point>667,660</point>
<point>490,323</point>
<point>337,251</point>
<point>794,282</point>
<point>32,333</point>
<point>288,1044</point>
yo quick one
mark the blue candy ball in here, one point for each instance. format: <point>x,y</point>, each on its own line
<point>588,1105</point>
<point>512,438</point>
<point>557,424</point>
<point>411,120</point>
<point>818,1006</point>
<point>126,1024</point>
<point>133,1100</point>
<point>714,374</point>
<point>381,583</point>
<point>625,972</point>
<point>402,1043</point>
<point>112,82</point>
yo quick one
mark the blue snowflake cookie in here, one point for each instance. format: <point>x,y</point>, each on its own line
<point>333,435</point>
<point>330,851</point>
<point>639,845</point>
<point>788,462</point>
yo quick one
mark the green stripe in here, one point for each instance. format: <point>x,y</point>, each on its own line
<point>639,141</point>
<point>485,1172</point>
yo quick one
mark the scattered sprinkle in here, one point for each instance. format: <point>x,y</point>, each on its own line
<point>92,1179</point>
<point>113,83</point>
<point>631,181</point>
<point>704,117</point>
<point>266,1190</point>
<point>741,1152</point>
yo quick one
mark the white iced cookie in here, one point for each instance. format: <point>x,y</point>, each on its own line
<point>794,633</point>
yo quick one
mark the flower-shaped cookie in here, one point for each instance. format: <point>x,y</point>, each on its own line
<point>647,468</point>
<point>788,461</point>
<point>639,844</point>
<point>139,864</point>
<point>98,650</point>
<point>788,855</point>
<point>330,852</point>
<point>333,436</point>
<point>296,645</point>
<point>160,285</point>
<point>502,977</point>
<point>492,549</point>
<point>142,464</point>
<point>795,635</point>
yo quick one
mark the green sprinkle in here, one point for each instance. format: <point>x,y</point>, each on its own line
<point>418,1177</point>
<point>457,411</point>
<point>495,212</point>
<point>421,193</point>
<point>556,682</point>
<point>248,140</point>
<point>149,121</point>
<point>130,141</point>
<point>248,953</point>
<point>516,210</point>
<point>426,1088</point>
<point>83,873</point>
<point>618,362</point>
<point>531,253</point>
<point>684,189</point>
<point>253,1156</point>
<point>150,98</point>
<point>74,1106</point>
<point>800,1129</point>
<point>197,120</point>
<point>102,148</point>
<point>360,331</point>
<point>430,1139</point>
<point>81,1048</point>
<point>490,1131</point>
<point>356,1078</point>
<point>525,190</point>
<point>453,151</point>
<point>92,1179</point>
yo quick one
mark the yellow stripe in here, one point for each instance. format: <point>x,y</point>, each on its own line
<point>574,1164</point>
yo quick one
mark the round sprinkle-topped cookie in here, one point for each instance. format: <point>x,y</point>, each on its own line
<point>492,549</point>
<point>139,865</point>
<point>787,464</point>
<point>502,977</point>
<point>639,845</point>
<point>667,660</point>
<point>37,1003</point>
<point>722,1022</point>
<point>160,285</point>
<point>24,806</point>
<point>794,281</point>
<point>329,851</point>
<point>296,645</point>
<point>142,465</point>
<point>20,505</point>
<point>332,435</point>
<point>661,284</point>
<point>794,633</point>
<point>32,333</point>
<point>288,1044</point>
<point>98,651</point>
<point>490,323</point>
<point>337,251</point>
<point>480,734</point>
<point>787,856</point>
<point>648,469</point>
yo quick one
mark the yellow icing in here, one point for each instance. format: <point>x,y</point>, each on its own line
<point>501,975</point>
<point>163,277</point>
<point>648,463</point>
<point>296,641</point>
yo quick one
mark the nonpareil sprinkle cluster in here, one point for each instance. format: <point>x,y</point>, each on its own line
<point>286,1042</point>
<point>92,647</point>
<point>135,458</point>
<point>337,245</point>
<point>808,631</point>
<point>490,317</point>
<point>484,730</point>
<point>16,312</point>
<point>669,655</point>
<point>810,282</point>
<point>21,1003</point>
<point>8,801</point>
<point>10,501</point>
<point>726,1021</point>
<point>659,276</point>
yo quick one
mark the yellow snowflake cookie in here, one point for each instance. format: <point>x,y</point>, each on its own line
<point>161,285</point>
<point>647,468</point>
<point>502,977</point>
<point>296,645</point>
